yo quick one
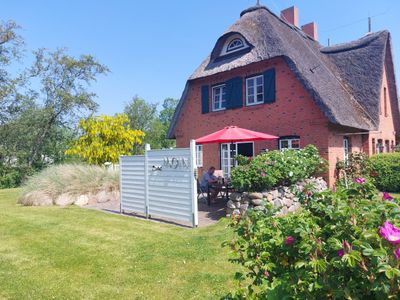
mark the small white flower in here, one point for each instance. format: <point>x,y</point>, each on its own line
<point>290,174</point>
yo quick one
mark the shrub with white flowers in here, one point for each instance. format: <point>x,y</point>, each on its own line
<point>276,168</point>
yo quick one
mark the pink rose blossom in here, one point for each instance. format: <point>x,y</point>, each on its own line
<point>262,174</point>
<point>387,197</point>
<point>340,252</point>
<point>390,233</point>
<point>360,180</point>
<point>397,253</point>
<point>289,240</point>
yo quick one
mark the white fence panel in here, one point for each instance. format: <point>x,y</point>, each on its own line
<point>132,183</point>
<point>161,183</point>
<point>170,184</point>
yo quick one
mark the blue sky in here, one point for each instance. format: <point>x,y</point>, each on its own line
<point>153,46</point>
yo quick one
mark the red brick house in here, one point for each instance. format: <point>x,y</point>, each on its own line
<point>267,74</point>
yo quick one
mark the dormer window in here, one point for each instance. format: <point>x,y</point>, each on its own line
<point>235,44</point>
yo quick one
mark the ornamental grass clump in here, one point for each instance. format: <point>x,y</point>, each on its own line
<point>340,245</point>
<point>276,168</point>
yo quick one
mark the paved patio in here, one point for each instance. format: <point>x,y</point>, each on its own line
<point>208,215</point>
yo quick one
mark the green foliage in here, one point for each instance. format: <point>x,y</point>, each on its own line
<point>275,168</point>
<point>105,138</point>
<point>331,249</point>
<point>39,108</point>
<point>386,168</point>
<point>356,166</point>
<point>144,116</point>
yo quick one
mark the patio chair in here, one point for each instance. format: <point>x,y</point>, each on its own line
<point>201,191</point>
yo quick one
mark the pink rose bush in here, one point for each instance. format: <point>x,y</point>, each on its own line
<point>340,245</point>
<point>390,233</point>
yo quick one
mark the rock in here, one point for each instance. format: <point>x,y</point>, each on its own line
<point>103,196</point>
<point>235,197</point>
<point>270,198</point>
<point>35,198</point>
<point>287,201</point>
<point>246,201</point>
<point>274,193</point>
<point>259,208</point>
<point>65,199</point>
<point>237,204</point>
<point>265,194</point>
<point>230,204</point>
<point>257,202</point>
<point>82,200</point>
<point>236,212</point>
<point>293,208</point>
<point>256,195</point>
<point>244,207</point>
<point>284,210</point>
<point>277,203</point>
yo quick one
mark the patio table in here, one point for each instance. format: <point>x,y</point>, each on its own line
<point>224,187</point>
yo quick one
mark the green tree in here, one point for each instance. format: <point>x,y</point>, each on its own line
<point>141,114</point>
<point>64,82</point>
<point>105,138</point>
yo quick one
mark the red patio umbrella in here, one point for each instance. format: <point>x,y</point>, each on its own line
<point>231,134</point>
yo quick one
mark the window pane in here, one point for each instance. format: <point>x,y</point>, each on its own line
<point>259,80</point>
<point>250,83</point>
<point>295,144</point>
<point>250,99</point>
<point>284,144</point>
<point>259,97</point>
<point>250,91</point>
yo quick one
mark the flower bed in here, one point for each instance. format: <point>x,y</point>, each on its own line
<point>343,244</point>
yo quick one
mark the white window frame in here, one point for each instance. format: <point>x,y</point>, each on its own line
<point>235,48</point>
<point>346,149</point>
<point>199,155</point>
<point>231,161</point>
<point>254,80</point>
<point>290,143</point>
<point>221,88</point>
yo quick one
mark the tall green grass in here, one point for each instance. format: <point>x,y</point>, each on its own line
<point>72,179</point>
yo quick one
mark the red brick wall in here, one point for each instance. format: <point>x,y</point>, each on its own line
<point>293,113</point>
<point>386,131</point>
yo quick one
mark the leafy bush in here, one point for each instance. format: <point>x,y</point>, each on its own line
<point>275,168</point>
<point>387,171</point>
<point>341,245</point>
<point>67,179</point>
<point>356,166</point>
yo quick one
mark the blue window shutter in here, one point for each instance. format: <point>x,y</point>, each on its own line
<point>204,99</point>
<point>234,93</point>
<point>269,86</point>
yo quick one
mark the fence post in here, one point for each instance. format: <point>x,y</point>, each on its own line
<point>120,185</point>
<point>146,179</point>
<point>193,182</point>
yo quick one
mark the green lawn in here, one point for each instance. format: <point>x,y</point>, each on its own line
<point>74,253</point>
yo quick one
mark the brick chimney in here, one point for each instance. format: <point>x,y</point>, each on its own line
<point>311,30</point>
<point>291,15</point>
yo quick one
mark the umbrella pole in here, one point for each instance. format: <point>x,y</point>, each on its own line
<point>232,159</point>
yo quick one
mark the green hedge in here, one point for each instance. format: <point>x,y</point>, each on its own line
<point>387,168</point>
<point>275,168</point>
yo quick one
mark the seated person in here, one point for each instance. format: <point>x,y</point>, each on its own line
<point>210,178</point>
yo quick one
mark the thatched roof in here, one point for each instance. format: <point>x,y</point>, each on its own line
<point>344,80</point>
